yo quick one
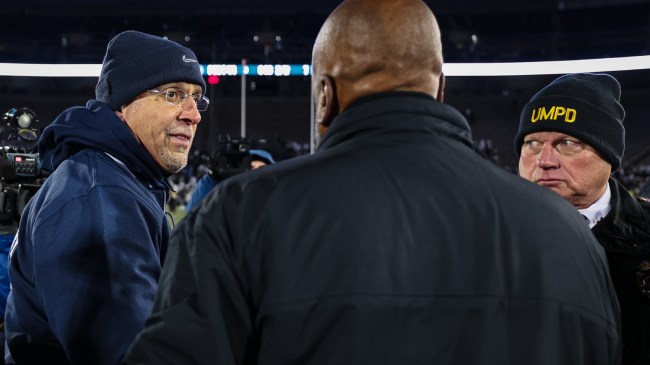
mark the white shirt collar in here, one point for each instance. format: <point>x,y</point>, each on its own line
<point>599,209</point>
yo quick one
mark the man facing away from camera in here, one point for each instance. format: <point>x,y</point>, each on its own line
<point>571,138</point>
<point>394,243</point>
<point>85,265</point>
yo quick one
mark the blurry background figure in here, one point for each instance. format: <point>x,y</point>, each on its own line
<point>645,191</point>
<point>20,178</point>
<point>231,157</point>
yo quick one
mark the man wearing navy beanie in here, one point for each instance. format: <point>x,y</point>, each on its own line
<point>85,264</point>
<point>571,138</point>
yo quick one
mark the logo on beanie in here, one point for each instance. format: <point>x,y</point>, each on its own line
<point>185,59</point>
<point>554,113</point>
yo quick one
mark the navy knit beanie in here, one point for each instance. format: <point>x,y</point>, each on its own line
<point>586,106</point>
<point>136,62</point>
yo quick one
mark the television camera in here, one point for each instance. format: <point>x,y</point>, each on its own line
<point>230,157</point>
<point>20,164</point>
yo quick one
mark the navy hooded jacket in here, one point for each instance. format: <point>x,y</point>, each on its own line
<point>87,257</point>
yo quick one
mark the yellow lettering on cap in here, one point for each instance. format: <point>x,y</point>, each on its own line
<point>570,115</point>
<point>554,113</point>
<point>546,116</point>
<point>542,114</point>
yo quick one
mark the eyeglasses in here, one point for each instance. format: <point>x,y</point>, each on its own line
<point>178,97</point>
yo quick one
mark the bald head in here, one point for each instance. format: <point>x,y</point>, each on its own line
<point>371,46</point>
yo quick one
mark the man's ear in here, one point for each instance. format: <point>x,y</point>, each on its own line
<point>120,115</point>
<point>441,88</point>
<point>326,103</point>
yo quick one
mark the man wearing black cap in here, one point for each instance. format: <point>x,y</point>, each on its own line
<point>571,138</point>
<point>85,264</point>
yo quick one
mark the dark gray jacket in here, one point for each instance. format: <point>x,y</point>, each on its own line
<point>395,243</point>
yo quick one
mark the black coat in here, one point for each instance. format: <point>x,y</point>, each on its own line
<point>395,243</point>
<point>625,235</point>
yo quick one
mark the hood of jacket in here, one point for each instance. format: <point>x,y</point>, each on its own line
<point>96,127</point>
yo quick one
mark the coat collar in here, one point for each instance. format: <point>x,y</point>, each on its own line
<point>397,111</point>
<point>627,219</point>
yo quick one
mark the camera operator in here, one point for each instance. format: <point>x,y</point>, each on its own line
<point>20,178</point>
<point>227,160</point>
<point>8,228</point>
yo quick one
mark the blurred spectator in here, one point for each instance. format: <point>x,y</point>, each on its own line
<point>645,190</point>
<point>256,159</point>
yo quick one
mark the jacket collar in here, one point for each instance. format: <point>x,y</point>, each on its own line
<point>407,111</point>
<point>627,219</point>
